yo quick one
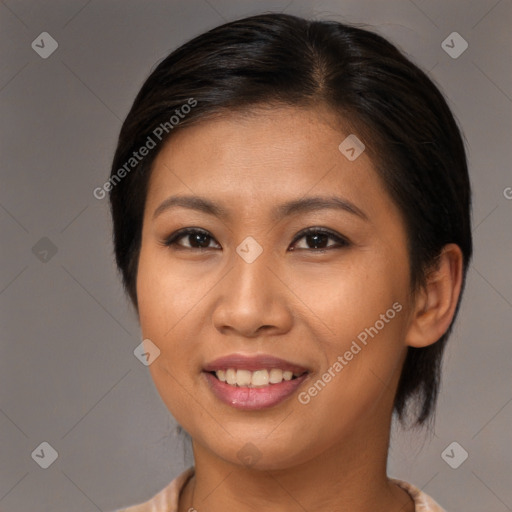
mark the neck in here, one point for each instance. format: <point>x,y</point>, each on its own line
<point>348,476</point>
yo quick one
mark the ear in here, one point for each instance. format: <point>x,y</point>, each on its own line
<point>436,303</point>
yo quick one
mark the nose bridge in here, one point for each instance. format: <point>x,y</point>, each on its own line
<point>251,275</point>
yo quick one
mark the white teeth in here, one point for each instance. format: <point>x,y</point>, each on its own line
<point>276,376</point>
<point>231,376</point>
<point>243,377</point>
<point>259,378</point>
<point>256,379</point>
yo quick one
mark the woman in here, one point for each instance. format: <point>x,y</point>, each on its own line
<point>291,210</point>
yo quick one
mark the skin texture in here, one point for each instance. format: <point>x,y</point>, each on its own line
<point>303,305</point>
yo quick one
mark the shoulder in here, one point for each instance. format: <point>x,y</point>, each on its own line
<point>165,500</point>
<point>422,501</point>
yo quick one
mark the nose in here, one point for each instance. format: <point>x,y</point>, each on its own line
<point>251,301</point>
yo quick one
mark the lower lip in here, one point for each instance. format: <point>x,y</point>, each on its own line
<point>251,399</point>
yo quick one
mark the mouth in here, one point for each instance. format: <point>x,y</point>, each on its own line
<point>253,382</point>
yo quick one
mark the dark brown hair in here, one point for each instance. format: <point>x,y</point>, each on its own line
<point>403,119</point>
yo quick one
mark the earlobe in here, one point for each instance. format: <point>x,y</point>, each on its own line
<point>436,303</point>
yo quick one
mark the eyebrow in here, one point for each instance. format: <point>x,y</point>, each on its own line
<point>296,206</point>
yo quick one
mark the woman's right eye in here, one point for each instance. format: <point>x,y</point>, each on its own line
<point>197,239</point>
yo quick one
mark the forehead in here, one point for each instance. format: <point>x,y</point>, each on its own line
<point>263,158</point>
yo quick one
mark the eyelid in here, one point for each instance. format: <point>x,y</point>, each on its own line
<point>182,233</point>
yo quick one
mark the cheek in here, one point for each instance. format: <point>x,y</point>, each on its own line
<point>363,310</point>
<point>166,302</point>
<point>352,294</point>
<point>166,294</point>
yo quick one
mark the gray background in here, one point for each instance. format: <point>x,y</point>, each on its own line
<point>68,373</point>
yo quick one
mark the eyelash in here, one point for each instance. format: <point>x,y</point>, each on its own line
<point>182,233</point>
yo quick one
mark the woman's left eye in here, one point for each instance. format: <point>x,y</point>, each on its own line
<point>319,238</point>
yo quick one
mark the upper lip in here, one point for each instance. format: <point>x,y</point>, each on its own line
<point>253,363</point>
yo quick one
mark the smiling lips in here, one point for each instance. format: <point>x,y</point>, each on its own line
<point>253,382</point>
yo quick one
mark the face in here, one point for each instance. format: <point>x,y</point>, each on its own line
<point>317,291</point>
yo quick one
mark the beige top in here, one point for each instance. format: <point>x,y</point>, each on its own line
<point>167,499</point>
